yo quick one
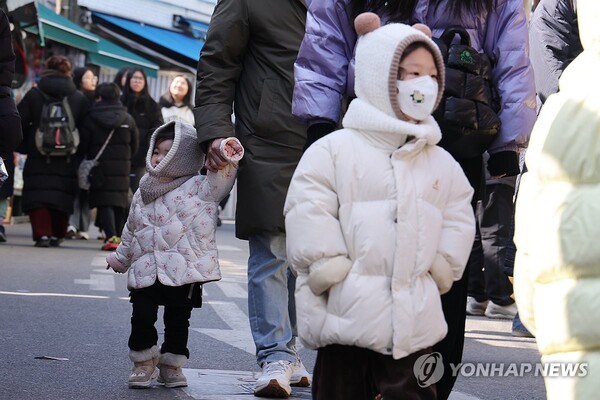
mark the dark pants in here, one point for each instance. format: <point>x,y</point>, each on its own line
<point>48,222</point>
<point>112,220</point>
<point>454,303</point>
<point>134,177</point>
<point>145,313</point>
<point>354,373</point>
<point>487,279</point>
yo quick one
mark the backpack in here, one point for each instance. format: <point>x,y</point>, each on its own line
<point>468,112</point>
<point>56,134</point>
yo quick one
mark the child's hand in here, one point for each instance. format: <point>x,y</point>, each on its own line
<point>232,149</point>
<point>115,264</point>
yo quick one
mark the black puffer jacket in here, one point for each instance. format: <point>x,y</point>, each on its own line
<point>148,117</point>
<point>49,182</point>
<point>115,161</point>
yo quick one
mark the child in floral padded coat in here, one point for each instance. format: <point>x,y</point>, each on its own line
<point>168,248</point>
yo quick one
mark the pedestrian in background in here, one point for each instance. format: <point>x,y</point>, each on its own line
<point>109,194</point>
<point>557,268</point>
<point>374,250</point>
<point>121,77</point>
<point>50,182</point>
<point>324,75</point>
<point>147,116</point>
<point>554,41</point>
<point>247,63</point>
<point>86,81</point>
<point>176,207</point>
<point>11,133</point>
<point>176,103</point>
<point>79,222</point>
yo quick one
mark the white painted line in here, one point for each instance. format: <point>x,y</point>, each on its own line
<point>83,296</point>
<point>98,282</point>
<point>99,261</point>
<point>225,247</point>
<point>232,289</point>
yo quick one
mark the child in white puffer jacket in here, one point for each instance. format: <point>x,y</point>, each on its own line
<point>168,247</point>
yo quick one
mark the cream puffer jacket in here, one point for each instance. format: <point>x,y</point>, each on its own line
<point>557,221</point>
<point>370,223</point>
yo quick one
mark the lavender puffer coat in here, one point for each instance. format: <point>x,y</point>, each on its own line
<point>324,70</point>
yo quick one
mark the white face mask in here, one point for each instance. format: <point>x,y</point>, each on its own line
<point>416,97</point>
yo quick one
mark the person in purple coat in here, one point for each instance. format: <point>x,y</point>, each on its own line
<point>324,83</point>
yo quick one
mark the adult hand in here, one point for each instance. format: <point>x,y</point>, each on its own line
<point>215,161</point>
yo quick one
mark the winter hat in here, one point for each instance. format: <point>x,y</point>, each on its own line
<point>378,53</point>
<point>183,161</point>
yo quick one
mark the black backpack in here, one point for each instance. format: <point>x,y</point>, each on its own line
<point>468,111</point>
<point>56,134</point>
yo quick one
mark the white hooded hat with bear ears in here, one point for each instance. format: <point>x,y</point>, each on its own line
<point>378,54</point>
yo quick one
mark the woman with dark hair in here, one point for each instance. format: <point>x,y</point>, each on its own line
<point>324,80</point>
<point>121,77</point>
<point>50,182</point>
<point>146,113</point>
<point>85,81</point>
<point>176,103</point>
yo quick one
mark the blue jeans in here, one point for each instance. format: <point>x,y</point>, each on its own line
<point>80,218</point>
<point>271,305</point>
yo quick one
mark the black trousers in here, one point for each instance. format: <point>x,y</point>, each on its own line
<point>354,373</point>
<point>454,303</point>
<point>176,318</point>
<point>487,279</point>
<point>112,220</point>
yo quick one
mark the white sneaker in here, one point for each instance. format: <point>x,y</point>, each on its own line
<point>275,380</point>
<point>493,310</point>
<point>300,376</point>
<point>475,307</point>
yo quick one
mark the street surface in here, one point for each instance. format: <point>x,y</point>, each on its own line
<point>64,325</point>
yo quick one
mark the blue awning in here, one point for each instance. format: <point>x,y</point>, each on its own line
<point>170,41</point>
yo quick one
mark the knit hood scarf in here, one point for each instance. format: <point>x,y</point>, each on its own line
<point>183,161</point>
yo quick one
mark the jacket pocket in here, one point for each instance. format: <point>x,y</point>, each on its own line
<point>274,120</point>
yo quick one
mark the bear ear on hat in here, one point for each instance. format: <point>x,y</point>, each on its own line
<point>424,29</point>
<point>366,22</point>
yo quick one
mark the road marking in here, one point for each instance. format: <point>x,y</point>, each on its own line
<point>239,335</point>
<point>233,289</point>
<point>98,282</point>
<point>83,296</point>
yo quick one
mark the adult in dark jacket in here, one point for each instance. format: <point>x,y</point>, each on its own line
<point>554,43</point>
<point>11,134</point>
<point>50,183</point>
<point>147,115</point>
<point>110,198</point>
<point>247,61</point>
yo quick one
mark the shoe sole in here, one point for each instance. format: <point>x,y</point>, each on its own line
<point>140,385</point>
<point>303,382</point>
<point>499,316</point>
<point>172,385</point>
<point>273,389</point>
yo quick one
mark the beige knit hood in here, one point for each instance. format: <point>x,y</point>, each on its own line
<point>183,161</point>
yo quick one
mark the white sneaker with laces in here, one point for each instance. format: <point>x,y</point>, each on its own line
<point>496,311</point>
<point>300,376</point>
<point>275,380</point>
<point>475,307</point>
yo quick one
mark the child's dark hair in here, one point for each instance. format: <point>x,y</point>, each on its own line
<point>414,46</point>
<point>108,91</point>
<point>165,134</point>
